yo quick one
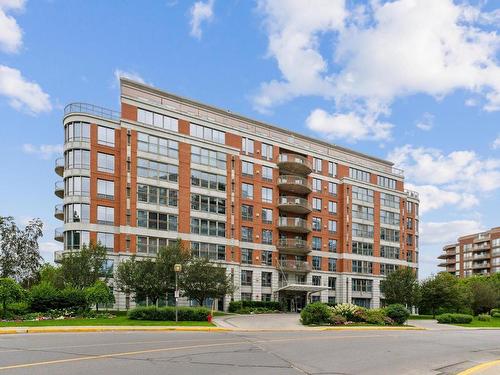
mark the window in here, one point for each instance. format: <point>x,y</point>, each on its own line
<point>107,240</point>
<point>246,191</point>
<point>386,182</point>
<point>316,185</point>
<point>246,256</point>
<point>267,173</point>
<point>387,217</point>
<point>207,133</point>
<point>75,239</point>
<point>105,215</point>
<point>362,285</point>
<point>158,171</point>
<point>77,186</point>
<point>316,263</point>
<point>205,203</point>
<point>105,162</point>
<point>362,302</point>
<point>246,212</point>
<point>332,264</point>
<point>267,236</point>
<point>361,266</point>
<point>206,227</point>
<point>391,235</point>
<point>77,131</point>
<point>316,224</point>
<point>389,200</point>
<point>389,252</point>
<point>208,180</point>
<point>331,300</point>
<point>267,195</point>
<point>247,168</point>
<point>157,195</point>
<point>358,174</point>
<point>266,278</point>
<point>316,243</point>
<point>246,278</point>
<point>267,151</point>
<point>386,269</point>
<point>316,280</point>
<point>105,189</point>
<point>156,145</point>
<point>409,207</point>
<point>332,188</point>
<point>77,213</point>
<point>76,158</point>
<point>208,157</point>
<point>409,239</point>
<point>247,234</point>
<point>208,250</point>
<point>332,207</point>
<point>156,119</point>
<point>362,194</point>
<point>267,258</point>
<point>156,220</point>
<point>317,165</point>
<point>409,223</point>
<point>316,204</point>
<point>362,248</point>
<point>267,216</point>
<point>362,230</point>
<point>247,146</point>
<point>332,226</point>
<point>151,245</point>
<point>332,169</point>
<point>332,283</point>
<point>105,136</point>
<point>362,212</point>
<point>246,296</point>
<point>332,245</point>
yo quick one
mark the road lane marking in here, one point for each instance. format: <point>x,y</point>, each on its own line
<point>482,366</point>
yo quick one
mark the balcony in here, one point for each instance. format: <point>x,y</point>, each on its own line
<point>58,255</point>
<point>59,234</point>
<point>294,205</point>
<point>294,266</point>
<point>92,110</point>
<point>481,256</point>
<point>294,184</point>
<point>59,189</point>
<point>295,164</point>
<point>293,224</point>
<point>59,167</point>
<point>59,212</point>
<point>481,265</point>
<point>293,246</point>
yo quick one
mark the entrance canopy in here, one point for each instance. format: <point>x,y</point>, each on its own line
<point>302,288</point>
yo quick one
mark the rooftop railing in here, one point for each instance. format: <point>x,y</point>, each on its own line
<point>92,109</point>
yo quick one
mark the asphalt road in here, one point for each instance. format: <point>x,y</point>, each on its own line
<point>298,352</point>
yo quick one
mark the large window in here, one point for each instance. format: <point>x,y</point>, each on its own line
<point>206,203</point>
<point>332,264</point>
<point>77,159</point>
<point>151,245</point>
<point>156,220</point>
<point>332,226</point>
<point>206,227</point>
<point>386,182</point>
<point>77,185</point>
<point>246,256</point>
<point>209,134</point>
<point>76,213</point>
<point>246,212</point>
<point>332,282</point>
<point>386,269</point>
<point>105,136</point>
<point>267,258</point>
<point>316,243</point>
<point>247,168</point>
<point>106,240</point>
<point>388,217</point>
<point>267,216</point>
<point>267,278</point>
<point>332,207</point>
<point>246,191</point>
<point>208,250</point>
<point>158,171</point>
<point>362,194</point>
<point>77,131</point>
<point>358,174</point>
<point>362,212</point>
<point>156,145</point>
<point>208,157</point>
<point>105,189</point>
<point>317,165</point>
<point>362,248</point>
<point>267,195</point>
<point>389,200</point>
<point>208,180</point>
<point>157,195</point>
<point>267,151</point>
<point>246,278</point>
<point>362,230</point>
<point>362,302</point>
<point>105,215</point>
<point>316,185</point>
<point>267,173</point>
<point>105,162</point>
<point>316,263</point>
<point>361,266</point>
<point>316,204</point>
<point>247,146</point>
<point>267,236</point>
<point>75,239</point>
<point>332,169</point>
<point>362,285</point>
<point>247,234</point>
<point>389,235</point>
<point>157,120</point>
<point>332,245</point>
<point>389,252</point>
<point>316,224</point>
<point>332,188</point>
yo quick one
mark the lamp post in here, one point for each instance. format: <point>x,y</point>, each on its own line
<point>177,269</point>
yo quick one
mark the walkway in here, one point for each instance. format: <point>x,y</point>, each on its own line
<point>261,321</point>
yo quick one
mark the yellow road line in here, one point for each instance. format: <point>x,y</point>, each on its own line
<point>482,366</point>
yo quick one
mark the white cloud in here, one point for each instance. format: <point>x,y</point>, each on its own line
<point>496,143</point>
<point>22,94</point>
<point>200,12</point>
<point>441,233</point>
<point>11,35</point>
<point>118,73</point>
<point>426,123</point>
<point>43,151</point>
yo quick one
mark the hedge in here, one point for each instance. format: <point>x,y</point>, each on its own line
<point>45,297</point>
<point>234,306</point>
<point>168,313</point>
<point>454,318</point>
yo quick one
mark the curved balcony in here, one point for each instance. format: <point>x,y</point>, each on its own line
<point>294,184</point>
<point>293,224</point>
<point>294,266</point>
<point>59,234</point>
<point>293,246</point>
<point>59,211</point>
<point>92,109</point>
<point>294,205</point>
<point>59,167</point>
<point>294,164</point>
<point>59,189</point>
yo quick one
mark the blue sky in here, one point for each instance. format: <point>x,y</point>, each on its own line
<point>417,82</point>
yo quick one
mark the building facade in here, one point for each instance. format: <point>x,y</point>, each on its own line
<point>473,254</point>
<point>291,218</point>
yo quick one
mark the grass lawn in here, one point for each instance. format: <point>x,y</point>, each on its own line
<point>494,322</point>
<point>118,321</point>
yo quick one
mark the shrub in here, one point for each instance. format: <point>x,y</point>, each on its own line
<point>43,297</point>
<point>337,320</point>
<point>496,315</point>
<point>73,299</point>
<point>389,321</point>
<point>375,316</point>
<point>347,310</point>
<point>494,311</point>
<point>18,308</point>
<point>315,313</point>
<point>234,306</point>
<point>484,317</point>
<point>454,318</point>
<point>360,315</point>
<point>398,313</point>
<point>168,313</point>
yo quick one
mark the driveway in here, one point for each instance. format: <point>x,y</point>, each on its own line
<point>288,321</point>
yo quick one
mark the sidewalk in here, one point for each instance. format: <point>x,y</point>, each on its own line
<point>487,368</point>
<point>62,329</point>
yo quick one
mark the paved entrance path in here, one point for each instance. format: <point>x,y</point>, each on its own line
<point>261,321</point>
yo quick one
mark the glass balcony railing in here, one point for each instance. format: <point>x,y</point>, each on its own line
<point>92,109</point>
<point>59,234</point>
<point>59,166</point>
<point>59,211</point>
<point>293,224</point>
<point>294,204</point>
<point>294,266</point>
<point>295,163</point>
<point>59,189</point>
<point>294,184</point>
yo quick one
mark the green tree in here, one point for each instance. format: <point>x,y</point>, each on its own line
<point>20,257</point>
<point>482,292</point>
<point>401,286</point>
<point>125,276</point>
<point>99,293</point>
<point>10,291</point>
<point>441,291</point>
<point>50,274</point>
<point>201,280</point>
<point>84,267</point>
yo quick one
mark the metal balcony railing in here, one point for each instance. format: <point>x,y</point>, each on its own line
<point>92,109</point>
